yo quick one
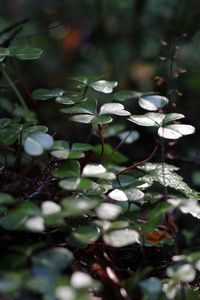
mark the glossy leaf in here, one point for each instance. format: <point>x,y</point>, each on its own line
<point>36,143</point>
<point>149,119</point>
<point>68,169</point>
<point>153,102</point>
<point>175,131</point>
<point>103,86</point>
<point>24,52</point>
<point>86,234</point>
<point>46,94</point>
<point>60,149</point>
<point>87,107</point>
<point>113,109</point>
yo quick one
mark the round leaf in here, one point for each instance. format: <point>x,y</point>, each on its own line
<point>103,86</point>
<point>113,109</point>
<point>121,237</point>
<point>108,211</point>
<point>153,102</point>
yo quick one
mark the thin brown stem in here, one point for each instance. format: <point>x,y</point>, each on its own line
<point>101,141</point>
<point>139,163</point>
<point>118,146</point>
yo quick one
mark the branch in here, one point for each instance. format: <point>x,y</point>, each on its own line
<point>102,141</point>
<point>139,163</point>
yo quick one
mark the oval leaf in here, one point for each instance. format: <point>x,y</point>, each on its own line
<point>121,237</point>
<point>153,102</point>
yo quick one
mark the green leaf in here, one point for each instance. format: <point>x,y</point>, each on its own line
<point>25,52</point>
<point>175,131</point>
<point>153,102</point>
<point>86,234</point>
<point>4,122</point>
<point>10,283</point>
<point>46,94</point>
<point>113,130</point>
<point>70,184</point>
<point>113,109</point>
<point>6,199</point>
<point>126,95</point>
<point>172,117</point>
<point>36,128</point>
<point>16,218</point>
<point>87,107</point>
<point>36,143</point>
<point>85,79</point>
<point>103,86</point>
<point>81,147</point>
<point>85,119</point>
<point>127,195</point>
<point>60,149</point>
<point>76,154</point>
<point>121,237</point>
<point>53,259</point>
<point>97,171</point>
<point>155,215</point>
<point>70,99</point>
<point>68,169</point>
<point>77,206</point>
<point>9,135</point>
<point>151,288</point>
<point>165,175</point>
<point>103,119</point>
<point>114,156</point>
<point>3,53</point>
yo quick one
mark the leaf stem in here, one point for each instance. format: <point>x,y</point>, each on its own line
<point>139,163</point>
<point>102,142</point>
<point>118,146</point>
<point>15,90</point>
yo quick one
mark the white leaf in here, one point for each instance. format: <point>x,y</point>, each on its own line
<point>114,109</point>
<point>93,169</point>
<point>50,207</point>
<point>80,280</point>
<point>35,224</point>
<point>197,265</point>
<point>118,195</point>
<point>168,133</point>
<point>44,139</point>
<point>149,119</point>
<point>121,237</point>
<point>134,194</point>
<point>82,118</point>
<point>191,206</point>
<point>175,131</point>
<point>104,86</point>
<point>185,273</point>
<point>36,143</point>
<point>153,102</point>
<point>32,147</point>
<point>108,211</point>
<point>65,293</point>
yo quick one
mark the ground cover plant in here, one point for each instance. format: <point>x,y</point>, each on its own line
<point>79,220</point>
